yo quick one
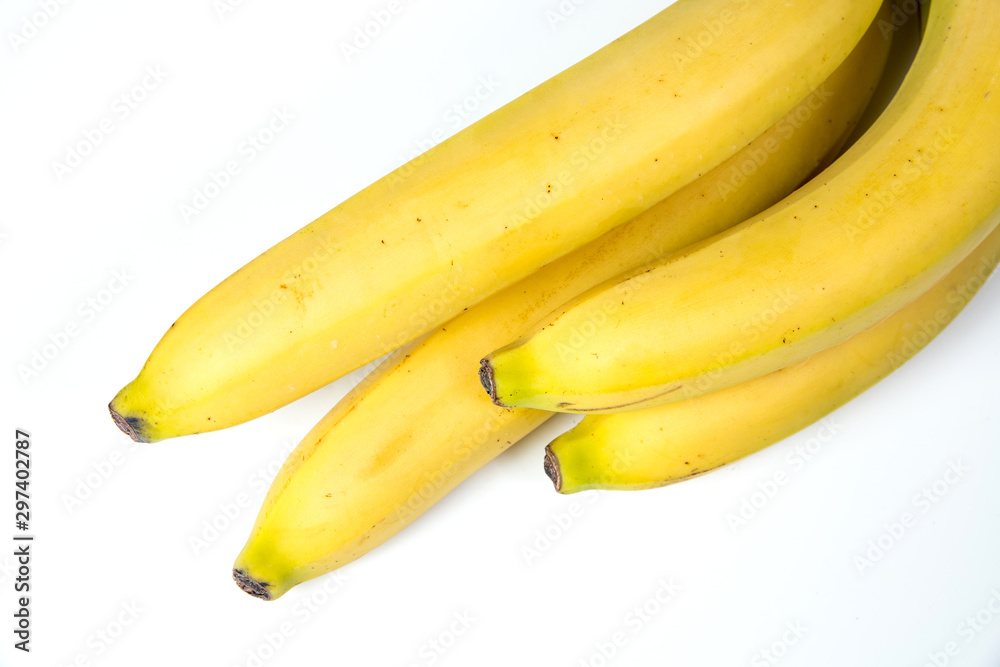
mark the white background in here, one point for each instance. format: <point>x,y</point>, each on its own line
<point>115,522</point>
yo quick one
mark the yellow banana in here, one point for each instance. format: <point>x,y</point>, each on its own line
<point>899,22</point>
<point>420,424</point>
<point>582,153</point>
<point>659,446</point>
<point>628,450</point>
<point>875,230</point>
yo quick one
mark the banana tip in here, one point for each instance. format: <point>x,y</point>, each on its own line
<point>251,586</point>
<point>130,426</point>
<point>552,468</point>
<point>487,379</point>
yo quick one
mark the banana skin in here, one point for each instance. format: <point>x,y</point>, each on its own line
<point>889,219</point>
<point>660,446</point>
<point>419,424</point>
<point>549,172</point>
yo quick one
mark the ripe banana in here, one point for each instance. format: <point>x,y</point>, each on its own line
<point>659,446</point>
<point>654,447</point>
<point>419,424</point>
<point>580,154</point>
<point>889,219</point>
<point>900,21</point>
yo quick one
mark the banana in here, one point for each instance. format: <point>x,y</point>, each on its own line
<point>890,218</point>
<point>902,25</point>
<point>566,162</point>
<point>659,446</point>
<point>419,424</point>
<point>632,450</point>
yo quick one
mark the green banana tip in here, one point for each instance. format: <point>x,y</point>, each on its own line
<point>251,586</point>
<point>552,468</point>
<point>133,427</point>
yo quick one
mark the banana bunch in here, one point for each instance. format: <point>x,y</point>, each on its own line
<point>673,239</point>
<point>420,423</point>
<point>892,217</point>
<point>659,446</point>
<point>566,162</point>
<point>656,446</point>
